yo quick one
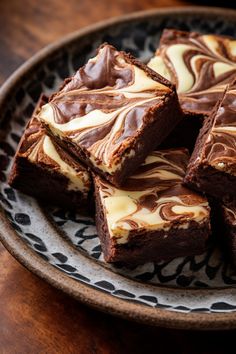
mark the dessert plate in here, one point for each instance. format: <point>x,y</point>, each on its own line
<point>62,247</point>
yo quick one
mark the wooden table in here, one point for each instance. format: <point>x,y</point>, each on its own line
<point>34,317</point>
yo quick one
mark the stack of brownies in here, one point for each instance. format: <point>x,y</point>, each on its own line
<point>118,129</point>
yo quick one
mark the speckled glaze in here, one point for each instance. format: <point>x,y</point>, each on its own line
<point>62,247</point>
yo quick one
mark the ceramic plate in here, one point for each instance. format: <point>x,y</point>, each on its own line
<point>62,247</point>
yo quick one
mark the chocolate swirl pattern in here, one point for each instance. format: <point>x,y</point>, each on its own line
<point>39,149</point>
<point>102,109</point>
<point>220,146</point>
<point>200,65</point>
<point>212,167</point>
<point>153,198</point>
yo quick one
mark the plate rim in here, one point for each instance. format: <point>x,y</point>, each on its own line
<point>100,300</point>
<point>92,297</point>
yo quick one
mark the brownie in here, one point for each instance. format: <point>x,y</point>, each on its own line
<point>229,232</point>
<point>112,113</point>
<point>42,169</point>
<point>153,217</point>
<point>212,167</point>
<point>201,65</point>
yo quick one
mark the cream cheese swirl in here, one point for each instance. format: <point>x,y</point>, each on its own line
<point>39,149</point>
<point>200,65</point>
<point>153,198</point>
<point>220,146</point>
<point>102,108</point>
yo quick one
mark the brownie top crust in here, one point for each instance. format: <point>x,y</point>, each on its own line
<point>153,198</point>
<point>102,108</point>
<point>200,65</point>
<point>219,149</point>
<point>39,148</point>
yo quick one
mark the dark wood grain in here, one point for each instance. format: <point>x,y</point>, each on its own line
<point>34,317</point>
<point>28,25</point>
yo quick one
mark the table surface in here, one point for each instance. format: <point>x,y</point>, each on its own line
<point>35,317</point>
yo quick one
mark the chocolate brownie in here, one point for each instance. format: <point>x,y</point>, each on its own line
<point>212,167</point>
<point>42,169</point>
<point>153,217</point>
<point>112,113</point>
<point>201,65</point>
<point>229,232</point>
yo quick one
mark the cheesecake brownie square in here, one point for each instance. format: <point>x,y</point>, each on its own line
<point>212,167</point>
<point>153,217</point>
<point>112,113</point>
<point>42,169</point>
<point>201,65</point>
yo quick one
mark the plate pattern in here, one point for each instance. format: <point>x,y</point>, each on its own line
<point>69,241</point>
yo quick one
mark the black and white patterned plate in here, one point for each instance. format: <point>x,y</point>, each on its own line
<point>68,241</point>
